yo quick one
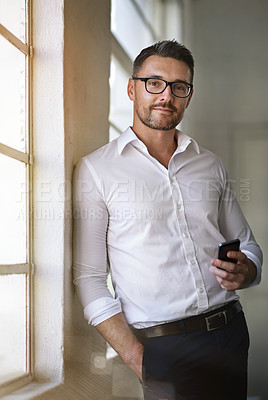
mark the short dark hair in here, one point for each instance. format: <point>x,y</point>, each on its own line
<point>165,48</point>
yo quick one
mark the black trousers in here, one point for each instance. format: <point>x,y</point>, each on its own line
<point>198,366</point>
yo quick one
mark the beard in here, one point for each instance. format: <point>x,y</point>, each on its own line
<point>166,123</point>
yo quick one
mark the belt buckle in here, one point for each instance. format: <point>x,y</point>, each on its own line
<point>211,320</point>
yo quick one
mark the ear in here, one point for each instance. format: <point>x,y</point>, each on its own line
<point>189,99</point>
<point>131,89</point>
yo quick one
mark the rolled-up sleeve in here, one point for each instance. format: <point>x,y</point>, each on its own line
<point>232,224</point>
<point>90,269</point>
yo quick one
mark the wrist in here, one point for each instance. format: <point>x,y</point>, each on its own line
<point>134,354</point>
<point>133,359</point>
<point>252,271</point>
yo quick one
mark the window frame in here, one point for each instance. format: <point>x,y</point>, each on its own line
<point>26,158</point>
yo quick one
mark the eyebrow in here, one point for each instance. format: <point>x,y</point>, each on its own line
<point>161,77</point>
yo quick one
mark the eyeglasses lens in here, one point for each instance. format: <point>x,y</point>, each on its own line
<point>156,86</point>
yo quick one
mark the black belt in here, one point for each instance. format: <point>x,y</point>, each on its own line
<point>210,321</point>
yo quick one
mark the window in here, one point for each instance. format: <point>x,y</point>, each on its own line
<point>135,24</point>
<point>131,26</point>
<point>15,173</point>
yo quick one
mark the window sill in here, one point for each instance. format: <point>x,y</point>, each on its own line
<point>30,391</point>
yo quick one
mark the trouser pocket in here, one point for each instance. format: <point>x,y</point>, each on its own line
<point>154,388</point>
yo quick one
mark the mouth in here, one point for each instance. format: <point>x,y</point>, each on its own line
<point>164,109</point>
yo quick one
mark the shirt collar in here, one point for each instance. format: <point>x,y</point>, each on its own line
<point>125,138</point>
<point>128,136</point>
<point>184,141</point>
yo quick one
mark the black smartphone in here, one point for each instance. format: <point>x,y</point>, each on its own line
<point>231,245</point>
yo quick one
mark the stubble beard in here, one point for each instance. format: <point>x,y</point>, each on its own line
<point>147,118</point>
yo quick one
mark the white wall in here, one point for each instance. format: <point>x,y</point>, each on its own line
<point>229,115</point>
<point>49,173</point>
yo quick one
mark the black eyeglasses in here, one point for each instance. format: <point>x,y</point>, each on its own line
<point>157,86</point>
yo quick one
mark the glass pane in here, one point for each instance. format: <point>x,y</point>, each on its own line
<point>13,326</point>
<point>12,211</point>
<point>113,134</point>
<point>120,105</point>
<point>12,95</point>
<point>147,7</point>
<point>128,28</point>
<point>12,16</point>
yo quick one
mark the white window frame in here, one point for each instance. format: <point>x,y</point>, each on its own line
<point>26,158</point>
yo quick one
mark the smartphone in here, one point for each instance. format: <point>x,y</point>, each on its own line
<point>231,245</point>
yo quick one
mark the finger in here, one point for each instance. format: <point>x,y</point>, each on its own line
<point>228,285</point>
<point>223,265</point>
<point>228,280</point>
<point>237,255</point>
<point>222,273</point>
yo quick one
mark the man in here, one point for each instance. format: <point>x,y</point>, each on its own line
<point>154,205</point>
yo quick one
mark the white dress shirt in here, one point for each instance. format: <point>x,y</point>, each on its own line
<point>156,228</point>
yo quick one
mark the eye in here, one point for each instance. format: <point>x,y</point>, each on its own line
<point>180,87</point>
<point>155,83</point>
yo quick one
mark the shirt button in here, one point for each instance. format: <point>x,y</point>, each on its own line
<point>193,262</point>
<point>179,206</point>
<point>185,235</point>
<point>201,290</point>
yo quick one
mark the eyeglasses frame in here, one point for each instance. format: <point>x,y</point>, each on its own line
<point>167,84</point>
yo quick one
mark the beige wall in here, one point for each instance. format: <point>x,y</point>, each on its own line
<point>86,108</point>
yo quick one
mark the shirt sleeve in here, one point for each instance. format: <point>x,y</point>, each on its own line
<point>233,225</point>
<point>90,220</point>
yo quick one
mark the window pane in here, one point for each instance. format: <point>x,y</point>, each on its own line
<point>12,16</point>
<point>13,326</point>
<point>113,133</point>
<point>120,105</point>
<point>147,7</point>
<point>12,95</point>
<point>12,211</point>
<point>124,21</point>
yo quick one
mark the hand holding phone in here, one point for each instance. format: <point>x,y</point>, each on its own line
<point>239,274</point>
<point>231,245</point>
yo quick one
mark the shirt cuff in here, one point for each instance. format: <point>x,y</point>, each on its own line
<point>258,265</point>
<point>102,309</point>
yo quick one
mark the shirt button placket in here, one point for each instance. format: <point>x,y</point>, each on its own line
<point>187,242</point>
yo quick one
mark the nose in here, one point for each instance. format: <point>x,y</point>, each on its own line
<point>167,94</point>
